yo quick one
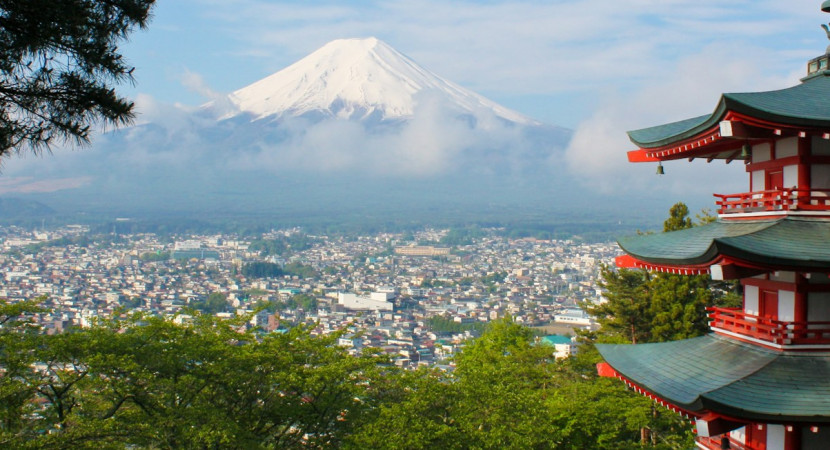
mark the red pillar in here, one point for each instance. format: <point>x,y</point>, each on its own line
<point>800,313</point>
<point>792,437</point>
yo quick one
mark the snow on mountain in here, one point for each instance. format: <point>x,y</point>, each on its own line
<point>355,79</point>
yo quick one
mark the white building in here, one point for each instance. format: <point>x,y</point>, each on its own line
<point>377,301</point>
<point>563,346</point>
<point>574,316</point>
<point>188,245</point>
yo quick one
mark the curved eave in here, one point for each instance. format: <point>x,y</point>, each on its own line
<point>629,262</point>
<point>788,244</point>
<point>712,373</point>
<point>671,133</point>
<point>806,105</point>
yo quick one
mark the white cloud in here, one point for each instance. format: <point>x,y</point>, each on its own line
<point>196,83</point>
<point>435,141</point>
<point>690,88</point>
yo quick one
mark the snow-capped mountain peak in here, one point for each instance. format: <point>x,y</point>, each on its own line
<point>355,79</point>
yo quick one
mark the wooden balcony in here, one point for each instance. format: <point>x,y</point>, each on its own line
<point>776,200</point>
<point>769,330</point>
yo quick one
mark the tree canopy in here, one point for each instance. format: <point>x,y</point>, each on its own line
<point>59,62</point>
<point>678,218</point>
<point>509,392</point>
<point>147,382</point>
<point>214,303</point>
<point>648,306</point>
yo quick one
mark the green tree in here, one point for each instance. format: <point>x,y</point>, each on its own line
<point>462,236</point>
<point>147,382</point>
<point>214,303</point>
<point>677,306</point>
<point>299,270</point>
<point>678,218</point>
<point>654,307</point>
<point>262,270</point>
<point>508,392</point>
<point>155,256</point>
<point>58,64</point>
<point>625,316</point>
<point>420,407</point>
<point>18,340</point>
<point>305,301</point>
<point>504,381</point>
<point>268,247</point>
<point>442,324</point>
<point>601,413</point>
<point>496,398</point>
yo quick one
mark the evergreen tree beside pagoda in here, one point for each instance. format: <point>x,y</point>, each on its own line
<point>647,306</point>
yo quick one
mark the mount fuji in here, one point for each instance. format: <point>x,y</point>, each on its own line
<point>353,128</point>
<point>362,79</point>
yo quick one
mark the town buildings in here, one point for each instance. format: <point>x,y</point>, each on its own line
<point>82,277</point>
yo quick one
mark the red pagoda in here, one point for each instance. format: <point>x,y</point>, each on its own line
<point>761,378</point>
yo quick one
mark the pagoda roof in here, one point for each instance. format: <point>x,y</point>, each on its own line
<point>806,104</point>
<point>786,243</point>
<point>713,373</point>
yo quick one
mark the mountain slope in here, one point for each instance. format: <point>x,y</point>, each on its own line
<point>355,79</point>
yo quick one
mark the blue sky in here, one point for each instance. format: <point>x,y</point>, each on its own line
<point>556,61</point>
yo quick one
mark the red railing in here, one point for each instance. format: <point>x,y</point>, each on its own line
<point>769,330</point>
<point>715,442</point>
<point>774,200</point>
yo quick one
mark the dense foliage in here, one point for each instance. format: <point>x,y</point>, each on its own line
<point>259,269</point>
<point>508,392</point>
<point>299,270</point>
<point>147,382</point>
<point>58,64</point>
<point>150,383</point>
<point>304,301</point>
<point>155,256</point>
<point>214,303</point>
<point>441,324</point>
<point>462,236</point>
<point>648,306</point>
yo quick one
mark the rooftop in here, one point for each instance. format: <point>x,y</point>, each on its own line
<point>788,243</point>
<point>711,373</point>
<point>803,105</point>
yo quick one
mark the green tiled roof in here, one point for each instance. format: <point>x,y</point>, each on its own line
<point>661,133</point>
<point>553,339</point>
<point>711,373</point>
<point>788,242</point>
<point>807,104</point>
